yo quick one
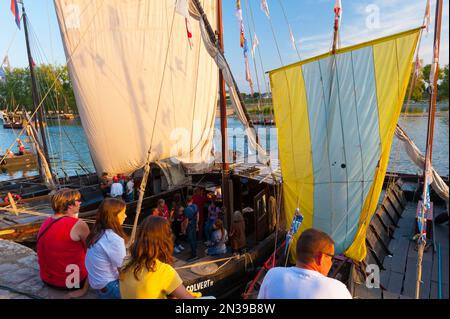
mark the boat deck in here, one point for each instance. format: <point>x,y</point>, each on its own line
<point>398,278</point>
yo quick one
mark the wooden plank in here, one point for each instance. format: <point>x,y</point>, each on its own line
<point>399,255</point>
<point>434,291</point>
<point>434,294</point>
<point>399,195</point>
<point>398,208</point>
<point>409,287</point>
<point>441,237</point>
<point>384,278</point>
<point>395,282</point>
<point>390,295</point>
<point>386,216</point>
<point>406,229</point>
<point>377,249</point>
<point>381,231</point>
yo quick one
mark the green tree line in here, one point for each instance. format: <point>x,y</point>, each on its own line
<point>15,89</point>
<point>422,82</point>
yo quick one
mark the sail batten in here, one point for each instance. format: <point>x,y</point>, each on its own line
<point>351,105</point>
<point>138,82</point>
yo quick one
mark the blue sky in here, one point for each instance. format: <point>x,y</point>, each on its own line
<point>311,22</point>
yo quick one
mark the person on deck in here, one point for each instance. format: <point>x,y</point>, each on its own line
<point>116,188</point>
<point>200,199</point>
<point>191,213</point>
<point>105,184</point>
<point>130,190</point>
<point>147,273</point>
<point>177,213</point>
<point>61,248</point>
<point>213,215</point>
<point>219,238</point>
<point>308,278</point>
<point>21,147</point>
<point>106,249</point>
<point>163,210</point>
<point>237,233</point>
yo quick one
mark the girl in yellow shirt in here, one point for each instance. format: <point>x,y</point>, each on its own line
<point>147,273</point>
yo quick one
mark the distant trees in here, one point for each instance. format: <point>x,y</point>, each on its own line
<point>15,90</point>
<point>422,82</point>
<point>443,87</point>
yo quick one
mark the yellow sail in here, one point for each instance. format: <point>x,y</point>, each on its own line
<point>336,117</point>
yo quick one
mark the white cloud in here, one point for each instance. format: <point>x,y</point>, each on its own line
<point>395,16</point>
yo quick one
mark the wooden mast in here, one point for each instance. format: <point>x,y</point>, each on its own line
<point>40,112</point>
<point>337,14</point>
<point>430,134</point>
<point>224,127</point>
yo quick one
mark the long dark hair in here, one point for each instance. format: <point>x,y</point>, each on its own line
<point>219,225</point>
<point>107,219</point>
<point>154,241</point>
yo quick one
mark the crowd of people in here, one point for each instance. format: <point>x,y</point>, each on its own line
<point>73,257</point>
<point>120,186</point>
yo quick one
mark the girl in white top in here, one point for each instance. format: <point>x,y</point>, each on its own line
<point>106,249</point>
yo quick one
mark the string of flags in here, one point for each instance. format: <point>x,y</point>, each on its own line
<point>244,45</point>
<point>15,11</point>
<point>181,7</point>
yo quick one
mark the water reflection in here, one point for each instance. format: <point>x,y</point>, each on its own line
<point>70,155</point>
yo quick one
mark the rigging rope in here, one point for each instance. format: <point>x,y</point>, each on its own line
<point>291,34</point>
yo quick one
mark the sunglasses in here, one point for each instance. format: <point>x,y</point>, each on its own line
<point>329,255</point>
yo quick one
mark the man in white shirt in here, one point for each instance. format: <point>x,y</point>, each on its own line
<point>116,188</point>
<point>308,279</point>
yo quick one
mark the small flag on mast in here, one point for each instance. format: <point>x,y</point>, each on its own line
<point>15,12</point>
<point>5,63</point>
<point>181,7</point>
<point>254,45</point>
<point>265,7</point>
<point>292,39</point>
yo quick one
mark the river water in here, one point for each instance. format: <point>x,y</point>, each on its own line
<point>70,153</point>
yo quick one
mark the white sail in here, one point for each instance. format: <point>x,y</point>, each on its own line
<point>137,81</point>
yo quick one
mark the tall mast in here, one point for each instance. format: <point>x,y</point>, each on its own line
<point>223,125</point>
<point>40,113</point>
<point>430,135</point>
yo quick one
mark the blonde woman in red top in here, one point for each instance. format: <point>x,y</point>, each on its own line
<point>61,248</point>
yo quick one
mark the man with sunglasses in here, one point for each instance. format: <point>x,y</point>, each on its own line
<point>308,278</point>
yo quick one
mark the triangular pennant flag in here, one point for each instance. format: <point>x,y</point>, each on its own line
<point>292,39</point>
<point>181,7</point>
<point>265,8</point>
<point>5,64</point>
<point>254,45</point>
<point>15,12</point>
